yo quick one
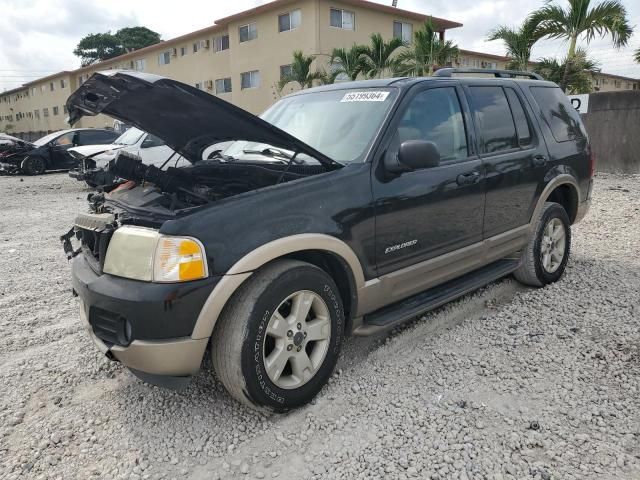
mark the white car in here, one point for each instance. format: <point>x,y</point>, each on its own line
<point>94,158</point>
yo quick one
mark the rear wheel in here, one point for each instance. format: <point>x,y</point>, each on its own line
<point>545,258</point>
<point>278,340</point>
<point>33,165</point>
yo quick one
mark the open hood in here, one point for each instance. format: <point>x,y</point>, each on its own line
<point>187,119</point>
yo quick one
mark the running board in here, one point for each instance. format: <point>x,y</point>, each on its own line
<point>398,313</point>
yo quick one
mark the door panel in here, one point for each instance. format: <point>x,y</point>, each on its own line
<point>425,213</point>
<point>60,158</point>
<point>513,154</point>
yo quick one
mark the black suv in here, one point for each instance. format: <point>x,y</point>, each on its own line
<point>344,210</point>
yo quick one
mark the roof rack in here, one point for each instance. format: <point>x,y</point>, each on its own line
<point>448,72</point>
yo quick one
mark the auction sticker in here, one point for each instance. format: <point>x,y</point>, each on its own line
<point>365,97</point>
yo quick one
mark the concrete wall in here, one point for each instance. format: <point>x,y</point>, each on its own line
<point>613,124</point>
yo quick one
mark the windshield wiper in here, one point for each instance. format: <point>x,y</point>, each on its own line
<point>275,153</point>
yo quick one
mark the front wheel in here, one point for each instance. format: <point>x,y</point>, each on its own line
<point>33,165</point>
<point>545,257</point>
<point>278,340</point>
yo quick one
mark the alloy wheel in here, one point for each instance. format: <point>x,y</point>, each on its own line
<point>553,245</point>
<point>297,339</point>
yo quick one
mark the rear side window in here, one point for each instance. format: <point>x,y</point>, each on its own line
<point>520,118</point>
<point>563,120</point>
<point>494,116</point>
<point>96,137</point>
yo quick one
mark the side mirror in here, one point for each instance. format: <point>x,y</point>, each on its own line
<point>413,155</point>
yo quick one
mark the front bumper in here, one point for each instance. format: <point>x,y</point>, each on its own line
<point>146,326</point>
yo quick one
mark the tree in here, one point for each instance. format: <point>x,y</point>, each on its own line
<point>377,57</point>
<point>637,55</point>
<point>97,47</point>
<point>347,62</point>
<point>582,20</point>
<point>577,71</point>
<point>301,72</point>
<point>426,53</point>
<point>518,42</point>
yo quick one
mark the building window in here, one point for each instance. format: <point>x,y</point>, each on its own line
<point>617,83</point>
<point>223,85</point>
<point>196,47</point>
<point>248,32</point>
<point>183,51</point>
<point>198,85</point>
<point>52,87</point>
<point>33,91</point>
<point>342,19</point>
<point>250,79</point>
<point>36,113</point>
<point>285,71</point>
<point>403,31</point>
<point>64,109</point>
<point>139,65</point>
<point>63,83</point>
<point>289,21</point>
<point>55,110</point>
<point>45,112</point>
<point>221,43</point>
<point>164,58</point>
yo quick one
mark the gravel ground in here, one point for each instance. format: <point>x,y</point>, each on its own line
<point>507,383</point>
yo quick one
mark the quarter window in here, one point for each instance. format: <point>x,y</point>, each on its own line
<point>403,31</point>
<point>562,118</point>
<point>248,32</point>
<point>342,19</point>
<point>434,115</point>
<point>494,117</point>
<point>520,117</point>
<point>250,79</point>
<point>223,85</point>
<point>221,43</point>
<point>289,21</point>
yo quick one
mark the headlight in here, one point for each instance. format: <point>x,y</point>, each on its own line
<point>144,254</point>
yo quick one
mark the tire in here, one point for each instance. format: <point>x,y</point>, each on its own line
<point>537,269</point>
<point>33,165</point>
<point>241,348</point>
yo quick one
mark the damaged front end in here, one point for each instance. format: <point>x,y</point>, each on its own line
<point>90,172</point>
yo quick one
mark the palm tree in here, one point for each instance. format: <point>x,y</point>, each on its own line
<point>426,53</point>
<point>636,55</point>
<point>377,57</point>
<point>581,19</point>
<point>301,72</point>
<point>577,71</point>
<point>347,62</point>
<point>518,42</point>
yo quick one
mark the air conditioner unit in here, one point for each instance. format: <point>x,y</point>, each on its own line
<point>205,43</point>
<point>209,84</point>
<point>174,52</point>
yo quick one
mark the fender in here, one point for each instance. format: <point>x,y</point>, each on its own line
<point>244,268</point>
<point>562,179</point>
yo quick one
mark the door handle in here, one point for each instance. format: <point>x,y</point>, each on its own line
<point>468,178</point>
<point>539,161</point>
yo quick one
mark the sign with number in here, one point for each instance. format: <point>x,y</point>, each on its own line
<point>580,102</point>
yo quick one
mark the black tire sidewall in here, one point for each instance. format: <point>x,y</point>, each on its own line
<point>554,211</point>
<point>259,388</point>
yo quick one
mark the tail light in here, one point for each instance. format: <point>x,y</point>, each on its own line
<point>592,161</point>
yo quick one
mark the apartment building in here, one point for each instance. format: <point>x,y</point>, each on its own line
<point>240,58</point>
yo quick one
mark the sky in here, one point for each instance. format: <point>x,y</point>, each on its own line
<point>37,37</point>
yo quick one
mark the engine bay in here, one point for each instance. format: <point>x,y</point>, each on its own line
<point>174,191</point>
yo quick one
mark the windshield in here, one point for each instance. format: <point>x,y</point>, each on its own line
<point>46,139</point>
<point>339,123</point>
<point>130,137</point>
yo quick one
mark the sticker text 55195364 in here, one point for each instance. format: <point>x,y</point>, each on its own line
<point>365,96</point>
